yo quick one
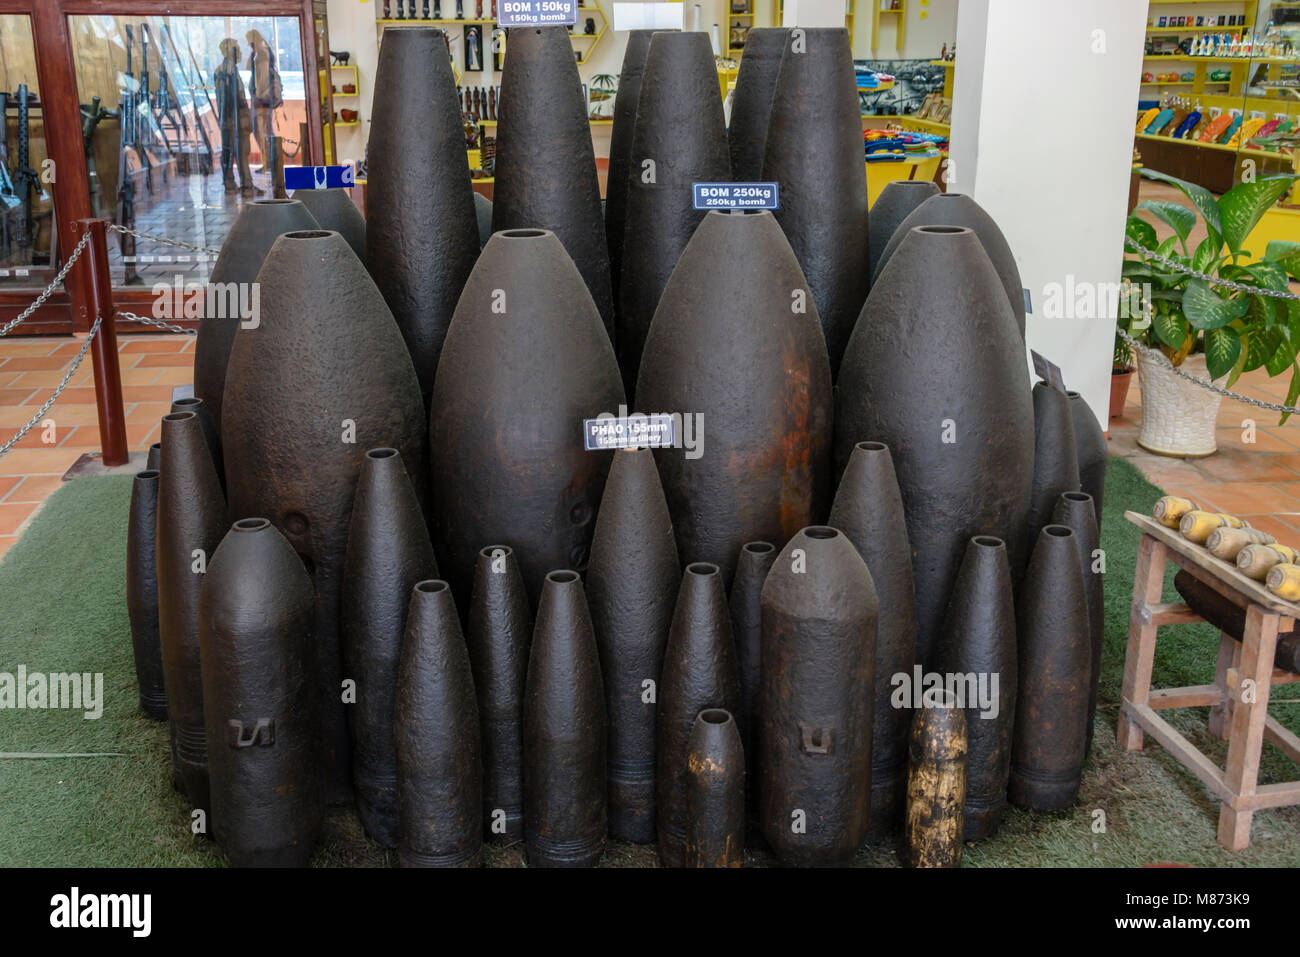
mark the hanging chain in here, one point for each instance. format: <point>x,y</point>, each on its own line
<point>67,377</point>
<point>1159,357</point>
<point>1206,277</point>
<point>77,250</point>
<point>206,250</point>
<point>49,290</point>
<point>161,324</point>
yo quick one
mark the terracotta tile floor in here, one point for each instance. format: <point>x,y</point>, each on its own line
<point>1258,480</point>
<point>152,365</point>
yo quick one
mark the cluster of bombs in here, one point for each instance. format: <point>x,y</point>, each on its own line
<point>434,602</point>
<point>1254,552</point>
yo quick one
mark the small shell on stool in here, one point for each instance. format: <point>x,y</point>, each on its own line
<point>1254,561</point>
<point>1170,509</point>
<point>1284,581</point>
<point>1226,543</point>
<point>1196,525</point>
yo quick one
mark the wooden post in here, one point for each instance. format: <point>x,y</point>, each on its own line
<point>103,351</point>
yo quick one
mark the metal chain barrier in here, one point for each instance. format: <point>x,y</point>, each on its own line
<point>161,324</point>
<point>1206,277</point>
<point>1159,356</point>
<point>77,250</point>
<point>67,377</point>
<point>154,237</point>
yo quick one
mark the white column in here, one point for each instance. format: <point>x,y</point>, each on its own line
<point>1042,138</point>
<point>812,13</point>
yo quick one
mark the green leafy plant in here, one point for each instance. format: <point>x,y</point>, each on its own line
<point>1238,331</point>
<point>1122,360</point>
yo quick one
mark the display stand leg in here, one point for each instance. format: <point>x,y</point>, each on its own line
<point>1250,686</point>
<point>1148,584</point>
<point>1221,713</point>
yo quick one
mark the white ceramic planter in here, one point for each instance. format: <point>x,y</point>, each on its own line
<point>1178,417</point>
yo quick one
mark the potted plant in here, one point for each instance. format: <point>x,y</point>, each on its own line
<point>1210,331</point>
<point>1121,376</point>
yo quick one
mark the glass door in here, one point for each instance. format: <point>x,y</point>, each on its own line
<point>186,118</point>
<point>28,239</point>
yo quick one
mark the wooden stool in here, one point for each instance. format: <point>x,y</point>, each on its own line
<point>1238,699</point>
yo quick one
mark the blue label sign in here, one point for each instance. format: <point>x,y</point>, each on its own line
<point>537,13</point>
<point>735,195</point>
<point>635,431</point>
<point>319,177</point>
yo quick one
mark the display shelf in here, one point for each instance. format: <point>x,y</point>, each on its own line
<point>326,83</point>
<point>850,11</point>
<point>727,78</point>
<point>1180,58</point>
<point>900,28</point>
<point>932,125</point>
<point>738,22</point>
<point>594,121</point>
<point>326,77</point>
<point>950,66</point>
<point>1178,31</point>
<point>388,22</point>
<point>591,39</point>
<point>1222,147</point>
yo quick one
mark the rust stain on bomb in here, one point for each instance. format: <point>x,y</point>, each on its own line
<point>726,344</point>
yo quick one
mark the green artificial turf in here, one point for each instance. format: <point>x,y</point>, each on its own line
<point>62,608</point>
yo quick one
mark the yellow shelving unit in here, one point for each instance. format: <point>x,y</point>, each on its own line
<point>583,44</point>
<point>1241,92</point>
<point>950,68</point>
<point>928,126</point>
<point>325,78</point>
<point>586,41</point>
<point>1198,82</point>
<point>594,38</point>
<point>326,83</point>
<point>891,8</point>
<point>739,23</point>
<point>850,10</point>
